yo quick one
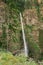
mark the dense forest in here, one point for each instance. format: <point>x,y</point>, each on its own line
<point>21,32</point>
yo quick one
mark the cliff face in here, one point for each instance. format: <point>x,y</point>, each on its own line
<point>2,12</point>
<point>2,16</point>
<point>31,19</point>
<point>11,41</point>
<point>33,24</point>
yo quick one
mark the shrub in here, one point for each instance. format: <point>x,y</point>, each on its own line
<point>6,58</point>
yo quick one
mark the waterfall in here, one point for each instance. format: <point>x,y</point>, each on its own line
<point>24,40</point>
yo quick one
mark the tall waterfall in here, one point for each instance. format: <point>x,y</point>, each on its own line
<point>24,40</point>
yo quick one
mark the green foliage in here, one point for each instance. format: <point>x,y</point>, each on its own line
<point>35,49</point>
<point>41,36</point>
<point>28,4</point>
<point>41,42</point>
<point>16,4</point>
<point>0,44</point>
<point>6,58</point>
<point>4,37</point>
<point>4,31</point>
<point>33,46</point>
<point>37,6</point>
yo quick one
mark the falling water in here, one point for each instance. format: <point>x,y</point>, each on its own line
<point>24,40</point>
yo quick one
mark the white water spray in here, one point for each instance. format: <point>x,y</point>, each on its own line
<point>24,40</point>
